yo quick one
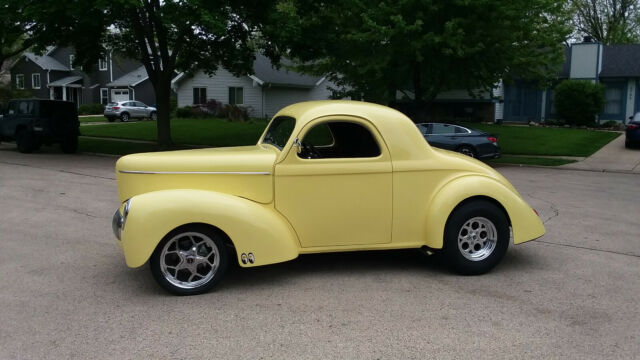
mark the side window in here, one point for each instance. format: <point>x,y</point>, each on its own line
<point>25,108</point>
<point>139,104</point>
<point>439,129</point>
<point>424,128</point>
<point>339,139</point>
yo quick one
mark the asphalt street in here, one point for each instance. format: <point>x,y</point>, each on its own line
<point>65,292</point>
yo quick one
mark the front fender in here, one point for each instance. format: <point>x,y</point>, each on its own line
<point>525,223</point>
<point>252,227</point>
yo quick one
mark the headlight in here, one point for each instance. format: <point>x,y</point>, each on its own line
<point>119,219</point>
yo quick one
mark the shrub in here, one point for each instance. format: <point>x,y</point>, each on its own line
<point>237,113</point>
<point>579,101</point>
<point>184,112</point>
<point>91,109</point>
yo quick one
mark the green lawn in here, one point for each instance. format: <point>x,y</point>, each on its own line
<point>88,119</point>
<point>524,140</point>
<point>210,132</point>
<point>507,159</point>
<point>514,140</point>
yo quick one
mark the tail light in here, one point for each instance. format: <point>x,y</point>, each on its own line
<point>632,126</point>
<point>116,108</point>
<point>493,139</point>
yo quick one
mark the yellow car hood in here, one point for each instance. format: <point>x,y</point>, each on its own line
<point>244,171</point>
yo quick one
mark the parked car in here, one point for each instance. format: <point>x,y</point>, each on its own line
<point>34,122</point>
<point>632,133</point>
<point>125,110</point>
<point>468,141</point>
<point>324,176</point>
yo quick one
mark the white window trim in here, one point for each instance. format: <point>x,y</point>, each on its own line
<point>17,77</point>
<point>106,64</point>
<point>33,82</point>
<point>71,58</point>
<point>101,92</point>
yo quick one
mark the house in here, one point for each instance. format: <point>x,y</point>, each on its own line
<point>263,92</point>
<point>53,75</point>
<point>617,67</point>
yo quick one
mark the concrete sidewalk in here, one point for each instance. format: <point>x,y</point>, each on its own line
<point>613,157</point>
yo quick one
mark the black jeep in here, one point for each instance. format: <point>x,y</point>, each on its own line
<point>33,122</point>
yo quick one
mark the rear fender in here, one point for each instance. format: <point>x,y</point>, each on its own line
<point>252,227</point>
<point>525,223</point>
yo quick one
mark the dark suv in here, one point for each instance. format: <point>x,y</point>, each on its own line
<point>33,122</point>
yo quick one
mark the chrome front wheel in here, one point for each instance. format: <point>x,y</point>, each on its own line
<point>189,261</point>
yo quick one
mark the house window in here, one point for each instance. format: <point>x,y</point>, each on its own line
<point>236,96</point>
<point>35,81</point>
<point>613,99</point>
<point>102,64</point>
<point>20,81</point>
<point>72,60</point>
<point>104,96</point>
<point>199,95</point>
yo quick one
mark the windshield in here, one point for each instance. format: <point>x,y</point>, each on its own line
<point>279,131</point>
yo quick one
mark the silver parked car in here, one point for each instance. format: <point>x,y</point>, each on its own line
<point>126,110</point>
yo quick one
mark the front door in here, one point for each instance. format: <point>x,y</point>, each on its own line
<point>336,191</point>
<point>523,101</point>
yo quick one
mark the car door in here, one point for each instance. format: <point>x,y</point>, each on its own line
<point>342,195</point>
<point>143,110</point>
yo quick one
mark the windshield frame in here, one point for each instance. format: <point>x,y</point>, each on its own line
<point>266,138</point>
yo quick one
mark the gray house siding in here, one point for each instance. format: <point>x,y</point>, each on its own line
<point>277,98</point>
<point>27,68</point>
<point>218,88</point>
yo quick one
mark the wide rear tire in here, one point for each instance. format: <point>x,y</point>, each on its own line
<point>25,141</point>
<point>69,145</point>
<point>476,237</point>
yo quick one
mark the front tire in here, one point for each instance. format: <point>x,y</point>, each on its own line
<point>153,116</point>
<point>476,237</point>
<point>628,144</point>
<point>189,260</point>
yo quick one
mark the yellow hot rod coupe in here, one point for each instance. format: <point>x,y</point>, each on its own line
<point>325,176</point>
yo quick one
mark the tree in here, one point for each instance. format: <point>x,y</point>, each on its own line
<point>13,30</point>
<point>422,47</point>
<point>608,21</point>
<point>579,101</point>
<point>166,36</point>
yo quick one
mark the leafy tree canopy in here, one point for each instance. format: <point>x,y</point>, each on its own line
<point>165,35</point>
<point>376,48</point>
<point>608,21</point>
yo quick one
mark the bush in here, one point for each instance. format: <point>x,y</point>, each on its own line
<point>185,112</point>
<point>237,113</point>
<point>579,101</point>
<point>91,109</point>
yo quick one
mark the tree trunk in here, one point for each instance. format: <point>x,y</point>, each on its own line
<point>163,99</point>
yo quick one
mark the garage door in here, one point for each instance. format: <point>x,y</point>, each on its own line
<point>119,95</point>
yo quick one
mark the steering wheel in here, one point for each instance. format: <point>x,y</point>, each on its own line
<point>309,151</point>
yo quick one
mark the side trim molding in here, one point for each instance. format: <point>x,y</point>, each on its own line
<point>196,172</point>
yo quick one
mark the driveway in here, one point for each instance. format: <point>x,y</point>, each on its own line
<point>613,157</point>
<point>65,292</point>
